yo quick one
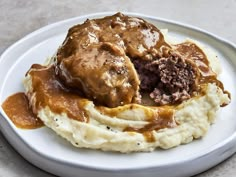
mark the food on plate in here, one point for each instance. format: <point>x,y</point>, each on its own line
<point>119,83</point>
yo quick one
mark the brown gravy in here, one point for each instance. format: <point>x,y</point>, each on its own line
<point>192,51</point>
<point>50,92</point>
<point>162,119</point>
<point>18,110</point>
<point>136,36</point>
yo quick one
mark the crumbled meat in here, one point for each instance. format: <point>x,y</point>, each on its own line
<point>170,80</point>
<point>148,75</point>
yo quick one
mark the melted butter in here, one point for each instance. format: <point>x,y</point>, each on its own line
<point>18,110</point>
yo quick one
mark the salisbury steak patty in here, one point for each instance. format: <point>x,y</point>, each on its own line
<point>94,57</point>
<point>111,60</point>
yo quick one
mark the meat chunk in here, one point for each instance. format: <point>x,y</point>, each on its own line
<point>148,74</point>
<point>170,80</point>
<point>103,73</point>
<point>178,79</point>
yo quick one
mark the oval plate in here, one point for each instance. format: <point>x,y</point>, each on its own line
<point>45,149</point>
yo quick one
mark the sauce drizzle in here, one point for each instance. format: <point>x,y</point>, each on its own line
<point>163,118</point>
<point>18,110</point>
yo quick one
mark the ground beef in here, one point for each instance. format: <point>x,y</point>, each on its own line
<point>168,80</point>
<point>148,75</point>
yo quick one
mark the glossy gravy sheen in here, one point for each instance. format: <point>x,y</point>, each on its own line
<point>137,37</point>
<point>192,51</point>
<point>50,92</point>
<point>18,110</point>
<point>162,119</point>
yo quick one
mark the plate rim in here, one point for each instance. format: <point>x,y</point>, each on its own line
<point>230,140</point>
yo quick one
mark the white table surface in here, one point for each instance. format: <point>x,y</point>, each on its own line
<point>18,18</point>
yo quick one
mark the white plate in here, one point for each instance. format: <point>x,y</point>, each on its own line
<point>45,149</point>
